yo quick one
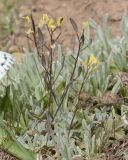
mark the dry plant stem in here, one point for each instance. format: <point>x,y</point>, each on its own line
<point>62,98</point>
<point>52,91</point>
<point>28,37</point>
<point>46,78</point>
<point>35,40</point>
<point>78,53</point>
<point>48,82</point>
<point>59,71</point>
<point>34,34</point>
<point>72,75</point>
<point>51,83</point>
<point>71,79</point>
<point>76,108</point>
<point>50,76</point>
<point>58,36</point>
<point>36,45</point>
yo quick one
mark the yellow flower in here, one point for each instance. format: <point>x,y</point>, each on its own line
<point>29,31</point>
<point>27,19</point>
<point>44,20</point>
<point>92,61</point>
<point>60,21</point>
<point>51,24</point>
<point>85,25</point>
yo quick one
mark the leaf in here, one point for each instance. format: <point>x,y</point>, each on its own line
<point>116,87</point>
<point>120,134</point>
<point>40,36</point>
<point>33,24</point>
<point>82,38</point>
<point>40,43</point>
<point>74,25</point>
<point>62,61</point>
<point>14,147</point>
<point>79,71</point>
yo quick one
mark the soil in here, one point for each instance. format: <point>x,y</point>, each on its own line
<point>80,11</point>
<point>6,155</point>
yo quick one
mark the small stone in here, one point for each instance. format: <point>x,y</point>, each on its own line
<point>77,157</point>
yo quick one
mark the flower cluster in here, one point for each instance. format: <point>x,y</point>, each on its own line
<point>28,21</point>
<point>45,20</point>
<point>51,23</point>
<point>91,63</point>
